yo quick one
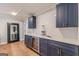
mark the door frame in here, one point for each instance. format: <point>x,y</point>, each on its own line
<point>8,32</point>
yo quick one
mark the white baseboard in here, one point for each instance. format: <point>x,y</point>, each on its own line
<point>21,39</point>
<point>3,43</point>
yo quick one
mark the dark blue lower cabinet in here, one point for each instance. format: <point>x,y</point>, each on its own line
<point>25,41</point>
<point>53,50</point>
<point>43,47</point>
<point>43,51</point>
<point>28,41</point>
<point>67,51</point>
<point>47,49</point>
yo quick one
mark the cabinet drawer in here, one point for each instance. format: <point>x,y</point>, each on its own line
<point>66,52</point>
<point>43,40</point>
<point>64,45</point>
<point>69,46</point>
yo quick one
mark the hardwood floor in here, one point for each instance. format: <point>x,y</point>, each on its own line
<point>17,49</point>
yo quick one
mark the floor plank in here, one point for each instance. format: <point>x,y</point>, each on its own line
<point>17,49</point>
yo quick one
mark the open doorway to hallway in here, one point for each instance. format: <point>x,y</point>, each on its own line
<point>13,32</point>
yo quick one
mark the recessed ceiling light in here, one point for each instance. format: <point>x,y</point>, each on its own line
<point>14,13</point>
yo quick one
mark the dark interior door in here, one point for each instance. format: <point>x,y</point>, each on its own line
<point>13,32</point>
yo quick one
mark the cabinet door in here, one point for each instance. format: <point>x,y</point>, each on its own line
<point>26,40</point>
<point>69,50</point>
<point>43,47</point>
<point>61,12</point>
<point>67,15</point>
<point>72,15</point>
<point>30,41</point>
<point>63,49</point>
<point>34,21</point>
<point>30,22</point>
<point>53,50</point>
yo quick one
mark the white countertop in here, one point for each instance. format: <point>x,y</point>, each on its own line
<point>74,42</point>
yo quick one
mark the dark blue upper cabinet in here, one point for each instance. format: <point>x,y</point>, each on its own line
<point>32,22</point>
<point>72,15</point>
<point>61,13</point>
<point>67,15</point>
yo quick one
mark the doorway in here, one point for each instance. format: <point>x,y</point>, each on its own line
<point>13,32</point>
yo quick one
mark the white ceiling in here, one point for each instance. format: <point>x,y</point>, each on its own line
<point>25,9</point>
